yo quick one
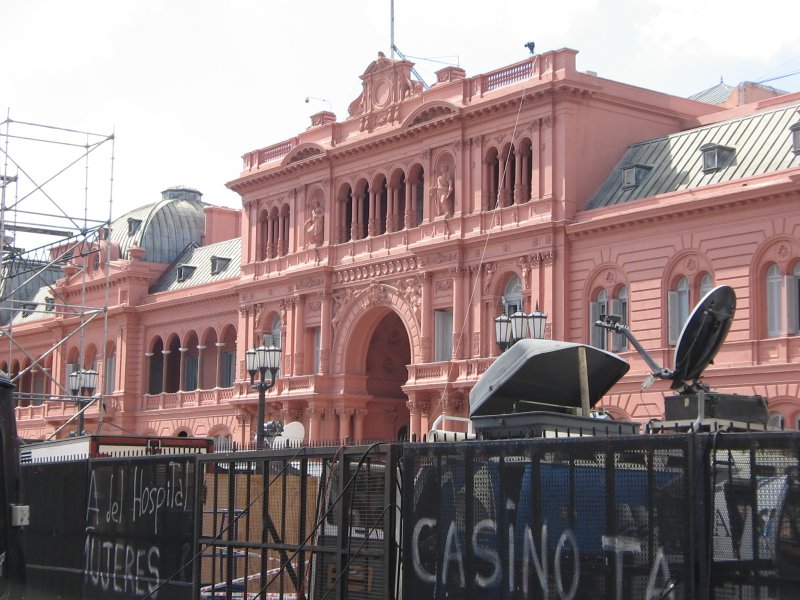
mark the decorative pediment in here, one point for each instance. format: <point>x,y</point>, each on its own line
<point>302,152</point>
<point>430,112</point>
<point>385,82</point>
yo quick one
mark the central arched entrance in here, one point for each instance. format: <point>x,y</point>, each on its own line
<point>388,354</point>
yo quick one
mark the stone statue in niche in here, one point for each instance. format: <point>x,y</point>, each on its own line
<point>314,226</point>
<point>444,192</point>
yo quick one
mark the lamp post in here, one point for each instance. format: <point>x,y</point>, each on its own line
<point>502,331</point>
<point>79,382</point>
<point>260,360</point>
<point>520,325</point>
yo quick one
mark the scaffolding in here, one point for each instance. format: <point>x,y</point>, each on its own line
<point>54,182</point>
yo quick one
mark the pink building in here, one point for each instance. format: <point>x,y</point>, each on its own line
<point>377,251</point>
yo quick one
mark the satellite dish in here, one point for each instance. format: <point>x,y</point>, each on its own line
<point>293,433</point>
<point>703,333</point>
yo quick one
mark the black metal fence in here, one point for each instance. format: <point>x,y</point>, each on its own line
<point>299,523</point>
<point>110,528</point>
<point>647,517</point>
<point>665,516</point>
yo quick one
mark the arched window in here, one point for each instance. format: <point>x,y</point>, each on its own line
<point>109,369</point>
<point>512,295</point>
<point>774,292</point>
<point>223,441</point>
<point>599,306</point>
<point>706,285</point>
<point>678,306</point>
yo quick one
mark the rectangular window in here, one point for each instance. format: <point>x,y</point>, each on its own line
<point>190,373</point>
<point>227,369</point>
<point>597,335</point>
<point>774,293</point>
<point>678,306</point>
<point>109,370</point>
<point>619,307</point>
<point>443,335</point>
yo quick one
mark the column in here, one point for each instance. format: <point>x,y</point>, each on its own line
<point>360,415</point>
<point>165,354</point>
<point>148,370</point>
<point>270,240</point>
<point>517,177</point>
<point>358,205</point>
<point>344,423</point>
<point>426,313</point>
<point>314,415</point>
<point>182,369</point>
<point>325,332</point>
<point>393,209</point>
<point>200,349</point>
<point>460,299</point>
<point>506,183</point>
<point>279,223</point>
<point>372,217</point>
<point>407,223</point>
<point>414,419</point>
<point>220,346</point>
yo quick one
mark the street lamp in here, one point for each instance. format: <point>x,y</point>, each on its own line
<point>260,360</point>
<point>80,382</point>
<point>538,323</point>
<point>520,325</point>
<point>502,331</point>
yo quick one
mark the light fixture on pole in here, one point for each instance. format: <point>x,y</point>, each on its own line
<point>502,330</point>
<point>80,382</point>
<point>538,323</point>
<point>519,326</point>
<point>261,360</point>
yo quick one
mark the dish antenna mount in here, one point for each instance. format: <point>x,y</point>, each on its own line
<point>701,338</point>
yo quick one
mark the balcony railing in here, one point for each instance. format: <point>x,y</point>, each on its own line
<point>468,370</point>
<point>187,399</point>
<point>60,409</point>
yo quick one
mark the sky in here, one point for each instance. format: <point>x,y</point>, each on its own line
<point>187,87</point>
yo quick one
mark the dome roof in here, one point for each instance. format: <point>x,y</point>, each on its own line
<point>165,228</point>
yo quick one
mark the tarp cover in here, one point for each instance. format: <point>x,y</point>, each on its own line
<point>544,371</point>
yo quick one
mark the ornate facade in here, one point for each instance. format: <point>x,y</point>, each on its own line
<point>378,250</point>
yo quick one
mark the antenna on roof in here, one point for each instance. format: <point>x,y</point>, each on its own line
<point>391,28</point>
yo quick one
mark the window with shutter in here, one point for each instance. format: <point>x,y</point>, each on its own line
<point>598,335</point>
<point>443,342</point>
<point>773,297</point>
<point>619,306</point>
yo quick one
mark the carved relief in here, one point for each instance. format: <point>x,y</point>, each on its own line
<point>524,264</point>
<point>410,290</point>
<point>377,294</point>
<point>444,285</point>
<point>489,270</point>
<point>314,226</point>
<point>309,282</point>
<point>438,259</point>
